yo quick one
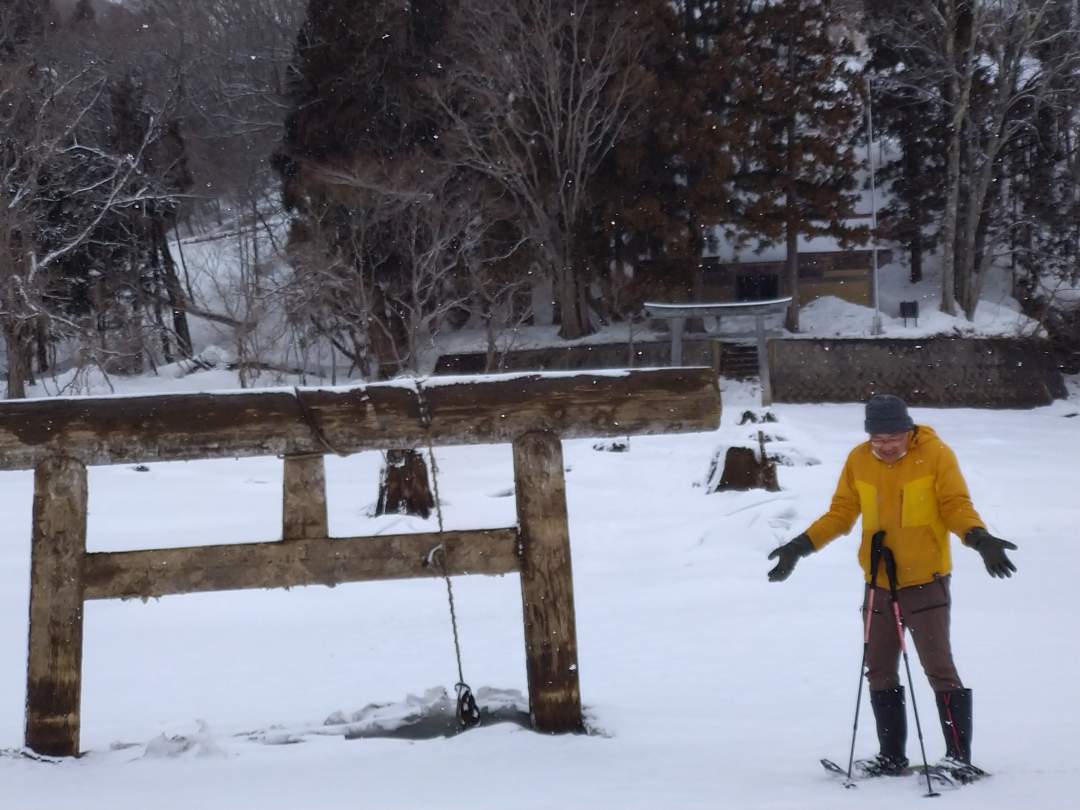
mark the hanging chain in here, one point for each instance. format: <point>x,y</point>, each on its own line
<point>468,713</point>
<point>425,420</point>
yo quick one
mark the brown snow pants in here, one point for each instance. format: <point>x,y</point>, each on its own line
<point>925,609</point>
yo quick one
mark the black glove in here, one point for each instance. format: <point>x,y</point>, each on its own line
<point>992,550</point>
<point>789,554</point>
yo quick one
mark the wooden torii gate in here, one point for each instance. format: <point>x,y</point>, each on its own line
<point>59,438</point>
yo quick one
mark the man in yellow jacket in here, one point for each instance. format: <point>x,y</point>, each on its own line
<point>906,482</point>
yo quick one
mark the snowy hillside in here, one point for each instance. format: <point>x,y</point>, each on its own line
<point>705,686</point>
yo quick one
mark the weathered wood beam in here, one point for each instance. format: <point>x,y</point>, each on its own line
<point>54,663</point>
<point>547,585</point>
<point>159,572</point>
<point>483,410</point>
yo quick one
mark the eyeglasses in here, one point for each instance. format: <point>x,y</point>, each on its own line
<point>881,439</point>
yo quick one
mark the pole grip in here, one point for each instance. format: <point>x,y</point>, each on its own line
<point>890,572</point>
<point>890,569</point>
<point>877,545</point>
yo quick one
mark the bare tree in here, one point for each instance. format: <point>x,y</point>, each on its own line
<point>1018,86</point>
<point>982,74</point>
<point>226,64</point>
<point>499,290</point>
<point>536,95</point>
<point>59,181</point>
<point>383,301</point>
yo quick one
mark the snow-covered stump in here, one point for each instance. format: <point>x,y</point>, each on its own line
<point>547,584</point>
<point>404,486</point>
<point>303,508</point>
<point>743,468</point>
<point>54,665</point>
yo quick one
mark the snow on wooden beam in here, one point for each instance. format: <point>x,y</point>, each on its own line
<point>446,410</point>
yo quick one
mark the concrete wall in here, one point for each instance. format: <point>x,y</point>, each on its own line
<point>991,372</point>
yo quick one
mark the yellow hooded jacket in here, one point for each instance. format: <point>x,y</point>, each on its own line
<point>917,501</point>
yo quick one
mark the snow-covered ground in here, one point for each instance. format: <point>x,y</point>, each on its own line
<point>705,685</point>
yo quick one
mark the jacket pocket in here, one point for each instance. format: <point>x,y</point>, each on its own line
<point>918,502</point>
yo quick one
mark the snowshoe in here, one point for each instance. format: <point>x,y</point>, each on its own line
<point>880,766</point>
<point>963,772</point>
<point>863,769</point>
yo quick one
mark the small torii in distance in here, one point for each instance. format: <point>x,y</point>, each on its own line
<point>759,310</point>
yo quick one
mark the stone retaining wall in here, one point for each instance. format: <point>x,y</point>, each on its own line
<point>940,371</point>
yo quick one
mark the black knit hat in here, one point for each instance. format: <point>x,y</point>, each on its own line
<point>887,414</point>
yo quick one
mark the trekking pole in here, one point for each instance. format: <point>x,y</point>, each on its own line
<point>876,544</point>
<point>890,571</point>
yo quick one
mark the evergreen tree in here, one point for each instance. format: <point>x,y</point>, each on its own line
<point>83,12</point>
<point>358,137</point>
<point>913,120</point>
<point>799,92</point>
<point>22,22</point>
<point>1044,173</point>
<point>669,181</point>
<point>539,93</point>
<point>357,77</point>
<point>120,274</point>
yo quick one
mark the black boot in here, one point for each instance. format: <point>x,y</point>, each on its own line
<point>954,708</point>
<point>891,718</point>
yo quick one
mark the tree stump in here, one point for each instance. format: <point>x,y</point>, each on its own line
<point>404,487</point>
<point>744,469</point>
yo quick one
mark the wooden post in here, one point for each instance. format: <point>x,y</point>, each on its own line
<point>58,551</point>
<point>717,356</point>
<point>303,508</point>
<point>763,359</point>
<point>547,587</point>
<point>678,325</point>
